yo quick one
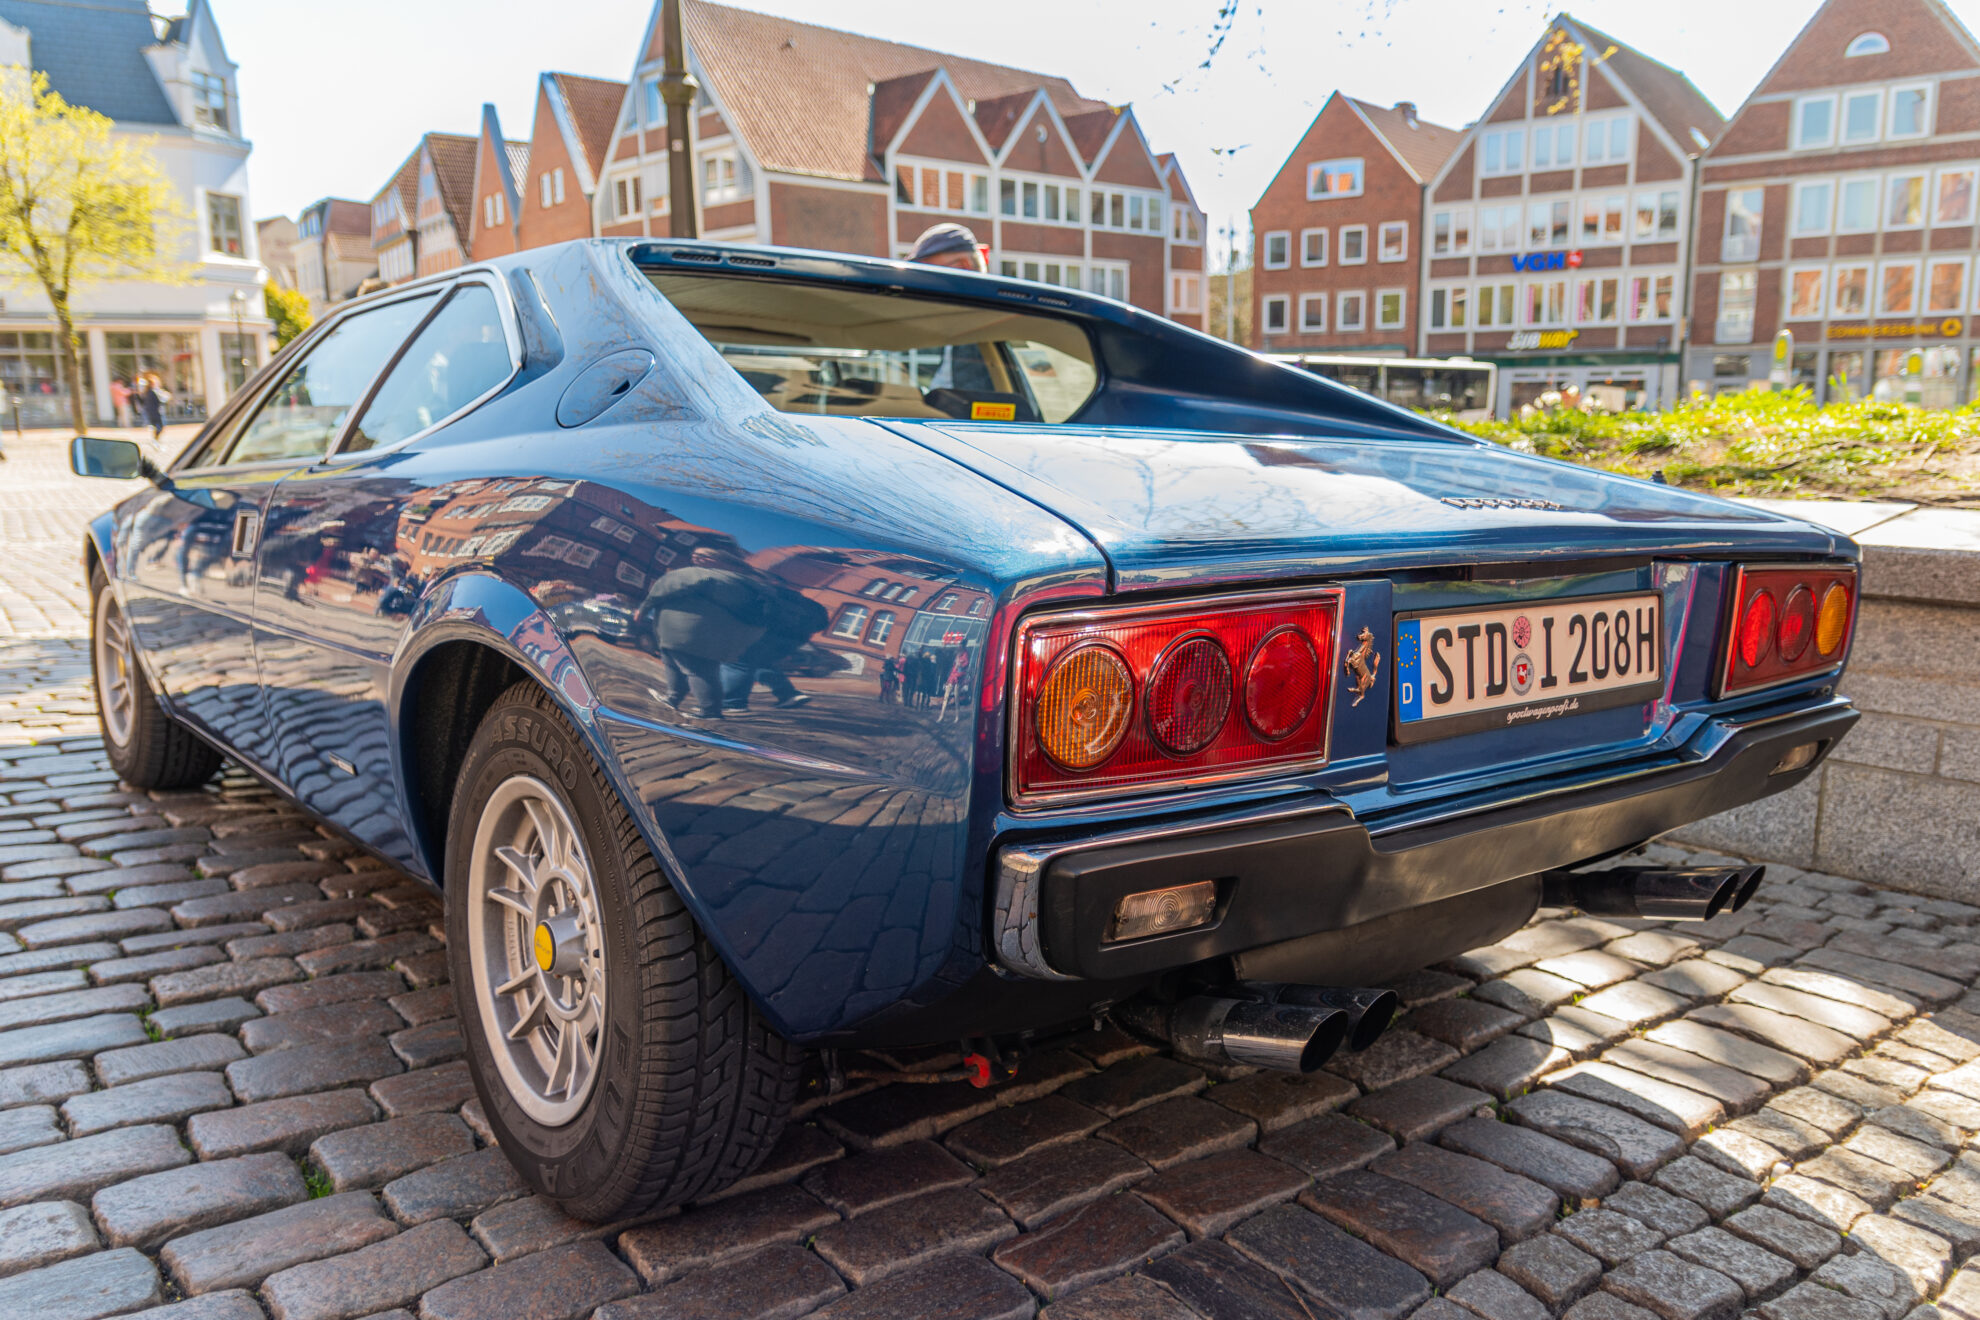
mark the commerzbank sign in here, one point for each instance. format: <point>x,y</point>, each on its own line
<point>1950,327</point>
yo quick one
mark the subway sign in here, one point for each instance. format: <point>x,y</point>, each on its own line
<point>1537,261</point>
<point>1527,339</point>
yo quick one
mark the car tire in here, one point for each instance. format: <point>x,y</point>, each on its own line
<point>145,745</point>
<point>632,1073</point>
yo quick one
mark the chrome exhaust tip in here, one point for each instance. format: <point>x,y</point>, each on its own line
<point>1654,893</point>
<point>1369,1011</point>
<point>1282,1036</point>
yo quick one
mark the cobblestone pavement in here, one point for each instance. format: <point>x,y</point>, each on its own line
<point>231,1084</point>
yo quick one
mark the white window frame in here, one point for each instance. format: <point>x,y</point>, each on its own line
<point>1307,303</point>
<point>1835,123</point>
<point>1727,253</point>
<point>1402,309</point>
<point>1382,233</point>
<point>1306,246</point>
<point>1316,170</point>
<point>1592,124</point>
<point>1486,295</point>
<point>1596,279</point>
<point>1872,43</point>
<point>1626,307</point>
<point>1925,285</point>
<point>1876,182</point>
<point>1877,307</point>
<point>1361,231</point>
<point>1924,199</point>
<point>1284,305</point>
<point>1358,299</point>
<point>626,199</point>
<point>1728,332</point>
<point>1924,115</point>
<point>1876,121</point>
<point>1501,138</point>
<point>1459,228</point>
<point>1972,195</point>
<point>1828,223</point>
<point>1542,320</point>
<point>1439,300</point>
<point>1284,238</point>
<point>1821,297</point>
<point>1836,272</point>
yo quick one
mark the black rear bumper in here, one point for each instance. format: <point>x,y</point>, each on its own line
<point>1286,883</point>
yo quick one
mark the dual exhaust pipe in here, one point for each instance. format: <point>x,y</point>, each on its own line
<point>1290,1028</point>
<point>1296,1028</point>
<point>1696,894</point>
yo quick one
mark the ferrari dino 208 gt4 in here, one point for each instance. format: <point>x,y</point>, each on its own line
<point>768,652</point>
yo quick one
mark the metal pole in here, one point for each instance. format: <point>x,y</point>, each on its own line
<point>677,92</point>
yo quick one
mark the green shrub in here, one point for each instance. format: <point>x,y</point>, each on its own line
<point>1758,442</point>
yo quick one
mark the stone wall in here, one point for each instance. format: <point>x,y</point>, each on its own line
<point>1899,800</point>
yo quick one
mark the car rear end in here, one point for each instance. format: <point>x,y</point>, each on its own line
<point>1335,781</point>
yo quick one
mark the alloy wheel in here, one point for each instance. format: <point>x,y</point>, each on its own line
<point>116,694</point>
<point>537,949</point>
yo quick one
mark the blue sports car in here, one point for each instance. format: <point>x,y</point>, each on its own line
<point>768,653</point>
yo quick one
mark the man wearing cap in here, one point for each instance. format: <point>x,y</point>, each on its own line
<point>949,245</point>
<point>955,246</point>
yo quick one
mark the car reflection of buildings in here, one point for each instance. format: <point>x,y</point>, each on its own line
<point>882,605</point>
<point>587,549</point>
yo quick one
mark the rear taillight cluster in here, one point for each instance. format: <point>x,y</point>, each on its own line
<point>1786,623</point>
<point>1108,700</point>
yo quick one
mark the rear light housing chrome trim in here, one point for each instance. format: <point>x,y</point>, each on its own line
<point>1195,618</point>
<point>1732,676</point>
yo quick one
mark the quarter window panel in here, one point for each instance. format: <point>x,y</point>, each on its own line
<point>459,356</point>
<point>302,414</point>
<point>1856,206</point>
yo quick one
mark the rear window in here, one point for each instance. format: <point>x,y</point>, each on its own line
<point>808,348</point>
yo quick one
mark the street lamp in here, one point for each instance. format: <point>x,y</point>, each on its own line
<point>239,300</point>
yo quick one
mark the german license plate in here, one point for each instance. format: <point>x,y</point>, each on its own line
<point>1466,670</point>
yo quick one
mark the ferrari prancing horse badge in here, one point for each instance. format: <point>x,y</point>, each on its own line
<point>1363,662</point>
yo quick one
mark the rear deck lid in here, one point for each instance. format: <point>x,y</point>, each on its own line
<point>1175,508</point>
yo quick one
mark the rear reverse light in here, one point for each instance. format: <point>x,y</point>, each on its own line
<point>1786,623</point>
<point>1111,700</point>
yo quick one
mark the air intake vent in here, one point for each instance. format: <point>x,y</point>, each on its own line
<point>692,254</point>
<point>736,259</point>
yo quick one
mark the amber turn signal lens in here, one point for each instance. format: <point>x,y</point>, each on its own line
<point>1832,624</point>
<point>1083,707</point>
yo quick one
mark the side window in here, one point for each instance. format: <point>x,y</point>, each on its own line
<point>457,358</point>
<point>299,418</point>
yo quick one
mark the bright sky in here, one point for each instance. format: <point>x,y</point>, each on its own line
<point>333,105</point>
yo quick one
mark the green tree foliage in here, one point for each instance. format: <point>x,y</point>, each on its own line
<point>288,309</point>
<point>79,203</point>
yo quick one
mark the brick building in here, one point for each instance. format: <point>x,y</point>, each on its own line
<point>501,168</point>
<point>1335,232</point>
<point>333,251</point>
<point>1558,229</point>
<point>419,220</point>
<point>812,137</point>
<point>1840,204</point>
<point>573,131</point>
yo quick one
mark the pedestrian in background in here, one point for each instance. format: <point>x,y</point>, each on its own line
<point>120,396</point>
<point>950,244</point>
<point>151,401</point>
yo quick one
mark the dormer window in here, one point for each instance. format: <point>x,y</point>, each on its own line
<point>209,96</point>
<point>1870,43</point>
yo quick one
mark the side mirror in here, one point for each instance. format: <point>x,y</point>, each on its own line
<point>96,456</point>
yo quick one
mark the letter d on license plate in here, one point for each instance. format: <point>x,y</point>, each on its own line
<point>1467,670</point>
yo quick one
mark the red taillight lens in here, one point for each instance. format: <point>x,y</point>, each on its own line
<point>1756,628</point>
<point>1281,684</point>
<point>1189,695</point>
<point>1797,624</point>
<point>1788,623</point>
<point>1109,700</point>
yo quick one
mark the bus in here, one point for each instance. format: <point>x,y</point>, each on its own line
<point>1459,385</point>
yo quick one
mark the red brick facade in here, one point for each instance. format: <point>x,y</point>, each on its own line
<point>1857,150</point>
<point>1322,278</point>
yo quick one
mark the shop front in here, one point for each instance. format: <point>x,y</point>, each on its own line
<point>1932,363</point>
<point>1534,372</point>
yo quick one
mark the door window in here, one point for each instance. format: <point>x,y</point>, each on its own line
<point>460,356</point>
<point>298,419</point>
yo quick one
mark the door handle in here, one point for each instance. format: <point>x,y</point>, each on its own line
<point>247,530</point>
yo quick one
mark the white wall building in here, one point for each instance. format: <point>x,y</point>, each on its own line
<point>170,80</point>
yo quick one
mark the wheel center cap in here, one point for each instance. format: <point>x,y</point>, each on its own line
<point>546,946</point>
<point>557,944</point>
